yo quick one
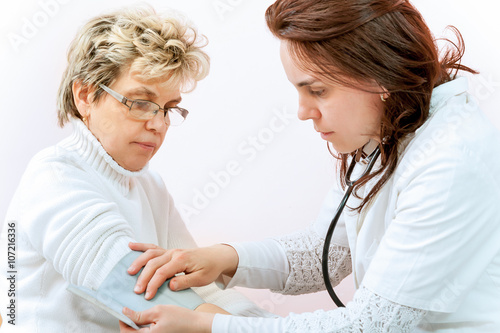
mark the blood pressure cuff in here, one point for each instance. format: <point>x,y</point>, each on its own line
<point>117,291</point>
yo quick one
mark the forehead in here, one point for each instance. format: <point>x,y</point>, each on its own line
<point>296,75</point>
<point>134,83</point>
<point>301,77</point>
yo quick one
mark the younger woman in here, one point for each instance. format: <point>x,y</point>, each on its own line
<point>421,231</point>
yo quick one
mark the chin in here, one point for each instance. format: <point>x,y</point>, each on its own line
<point>134,167</point>
<point>137,168</point>
<point>341,149</point>
<point>346,148</point>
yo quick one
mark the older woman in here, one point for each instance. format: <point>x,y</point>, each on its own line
<point>421,236</point>
<point>81,202</point>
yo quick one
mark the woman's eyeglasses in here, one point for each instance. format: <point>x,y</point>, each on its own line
<point>146,110</point>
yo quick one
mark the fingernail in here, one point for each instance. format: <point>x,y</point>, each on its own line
<point>148,295</point>
<point>173,285</point>
<point>137,288</point>
<point>131,269</point>
<point>126,311</point>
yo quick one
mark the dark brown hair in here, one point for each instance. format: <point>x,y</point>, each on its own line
<point>382,41</point>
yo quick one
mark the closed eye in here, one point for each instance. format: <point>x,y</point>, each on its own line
<point>144,105</point>
<point>318,93</point>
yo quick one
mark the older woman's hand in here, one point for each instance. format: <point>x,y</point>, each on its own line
<point>201,266</point>
<point>172,319</point>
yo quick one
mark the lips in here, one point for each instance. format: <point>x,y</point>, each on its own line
<point>147,145</point>
<point>326,135</point>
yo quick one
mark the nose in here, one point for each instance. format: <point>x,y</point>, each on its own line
<point>157,123</point>
<point>308,109</point>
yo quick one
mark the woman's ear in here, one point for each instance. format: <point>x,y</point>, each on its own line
<point>82,98</point>
<point>385,94</point>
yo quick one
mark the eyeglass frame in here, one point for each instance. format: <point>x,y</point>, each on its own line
<point>122,99</point>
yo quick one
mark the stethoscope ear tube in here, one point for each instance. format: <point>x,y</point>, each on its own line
<point>350,184</point>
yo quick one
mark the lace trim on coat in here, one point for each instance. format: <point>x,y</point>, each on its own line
<point>367,312</point>
<point>304,251</point>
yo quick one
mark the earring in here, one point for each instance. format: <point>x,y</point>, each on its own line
<point>84,119</point>
<point>382,98</point>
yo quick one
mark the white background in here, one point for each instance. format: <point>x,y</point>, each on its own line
<point>279,187</point>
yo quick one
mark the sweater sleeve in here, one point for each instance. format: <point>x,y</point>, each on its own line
<point>367,312</point>
<point>67,219</point>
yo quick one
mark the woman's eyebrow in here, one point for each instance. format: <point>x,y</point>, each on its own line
<point>307,83</point>
<point>177,100</point>
<point>141,91</point>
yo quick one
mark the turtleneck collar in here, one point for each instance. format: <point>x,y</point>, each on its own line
<point>86,145</point>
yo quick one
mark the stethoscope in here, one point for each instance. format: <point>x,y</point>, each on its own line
<point>371,159</point>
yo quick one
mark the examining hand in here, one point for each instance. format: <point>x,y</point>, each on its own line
<point>201,266</point>
<point>171,319</point>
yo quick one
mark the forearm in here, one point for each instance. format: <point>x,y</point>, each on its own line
<point>303,252</point>
<point>225,324</point>
<point>210,308</point>
<point>289,265</point>
<point>261,265</point>
<point>366,312</point>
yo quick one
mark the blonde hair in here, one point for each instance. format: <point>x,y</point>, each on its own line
<point>152,46</point>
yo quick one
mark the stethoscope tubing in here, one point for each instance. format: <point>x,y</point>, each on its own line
<point>350,185</point>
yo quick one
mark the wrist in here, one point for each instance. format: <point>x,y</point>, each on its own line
<point>229,257</point>
<point>204,322</point>
<point>210,308</point>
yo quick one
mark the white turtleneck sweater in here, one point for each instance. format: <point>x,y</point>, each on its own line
<point>75,212</point>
